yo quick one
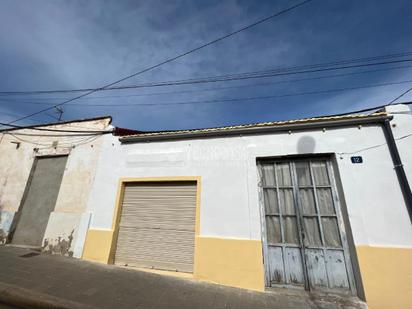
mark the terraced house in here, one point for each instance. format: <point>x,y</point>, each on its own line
<point>320,205</point>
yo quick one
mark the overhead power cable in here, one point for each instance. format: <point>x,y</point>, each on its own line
<point>373,147</point>
<point>373,109</point>
<point>243,99</point>
<point>400,96</point>
<point>234,76</point>
<point>52,130</point>
<point>17,100</point>
<point>170,59</point>
<point>249,75</point>
<point>364,110</point>
<point>68,143</point>
<point>256,75</point>
<point>55,135</point>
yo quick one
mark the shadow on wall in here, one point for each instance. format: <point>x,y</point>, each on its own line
<point>306,144</point>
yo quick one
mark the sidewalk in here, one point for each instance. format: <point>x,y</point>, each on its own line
<point>43,281</point>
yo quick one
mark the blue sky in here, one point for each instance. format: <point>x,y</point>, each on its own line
<point>82,44</point>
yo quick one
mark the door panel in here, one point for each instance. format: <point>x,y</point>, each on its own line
<point>294,266</point>
<point>315,261</point>
<point>40,200</point>
<point>303,219</point>
<point>276,266</point>
<point>281,223</point>
<point>338,278</point>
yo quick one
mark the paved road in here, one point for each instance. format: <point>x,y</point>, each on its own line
<point>6,306</point>
<point>103,286</point>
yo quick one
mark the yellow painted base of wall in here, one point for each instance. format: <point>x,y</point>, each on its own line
<point>386,272</point>
<point>387,276</point>
<point>98,245</point>
<point>232,262</point>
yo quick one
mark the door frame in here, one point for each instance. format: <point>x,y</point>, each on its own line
<point>17,214</point>
<point>119,202</point>
<point>355,280</point>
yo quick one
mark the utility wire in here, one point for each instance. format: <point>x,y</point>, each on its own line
<point>222,77</point>
<point>369,109</point>
<point>64,144</point>
<point>57,135</point>
<point>400,96</point>
<point>374,146</point>
<point>170,59</point>
<point>208,89</point>
<point>243,99</point>
<point>255,75</point>
<point>251,75</point>
<point>50,130</point>
<point>373,109</point>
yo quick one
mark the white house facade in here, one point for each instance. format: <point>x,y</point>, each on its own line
<point>316,204</point>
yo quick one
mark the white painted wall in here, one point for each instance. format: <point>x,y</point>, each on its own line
<point>227,165</point>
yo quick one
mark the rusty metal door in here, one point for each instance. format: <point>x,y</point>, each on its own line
<point>304,238</point>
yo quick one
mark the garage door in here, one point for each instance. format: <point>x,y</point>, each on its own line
<point>157,226</point>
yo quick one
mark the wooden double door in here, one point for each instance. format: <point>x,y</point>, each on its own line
<point>304,237</point>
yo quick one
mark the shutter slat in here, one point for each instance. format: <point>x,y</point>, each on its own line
<point>157,226</point>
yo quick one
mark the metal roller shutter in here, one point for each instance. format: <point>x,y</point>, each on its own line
<point>157,226</point>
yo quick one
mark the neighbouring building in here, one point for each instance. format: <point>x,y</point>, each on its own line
<point>46,174</point>
<point>320,204</point>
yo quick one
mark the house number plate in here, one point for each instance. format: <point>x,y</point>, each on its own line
<point>356,159</point>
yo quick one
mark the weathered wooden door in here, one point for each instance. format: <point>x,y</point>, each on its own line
<point>304,237</point>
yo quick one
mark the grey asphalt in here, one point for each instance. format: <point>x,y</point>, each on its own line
<point>7,306</point>
<point>46,281</point>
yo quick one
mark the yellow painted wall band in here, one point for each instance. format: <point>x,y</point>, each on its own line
<point>232,262</point>
<point>98,245</point>
<point>386,276</point>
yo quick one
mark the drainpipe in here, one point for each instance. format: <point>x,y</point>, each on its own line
<point>397,162</point>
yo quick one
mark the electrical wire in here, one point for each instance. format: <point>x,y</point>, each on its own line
<point>241,99</point>
<point>60,144</point>
<point>254,74</point>
<point>214,88</point>
<point>248,98</point>
<point>51,130</point>
<point>225,78</point>
<point>243,76</point>
<point>374,146</point>
<point>400,96</point>
<point>57,135</point>
<point>170,59</point>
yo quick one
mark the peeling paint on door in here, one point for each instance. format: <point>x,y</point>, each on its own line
<point>304,243</point>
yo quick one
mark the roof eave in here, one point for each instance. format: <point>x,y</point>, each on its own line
<point>258,130</point>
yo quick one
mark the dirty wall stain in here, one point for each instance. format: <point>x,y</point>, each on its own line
<point>59,245</point>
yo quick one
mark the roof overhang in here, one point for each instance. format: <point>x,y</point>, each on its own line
<point>320,123</point>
